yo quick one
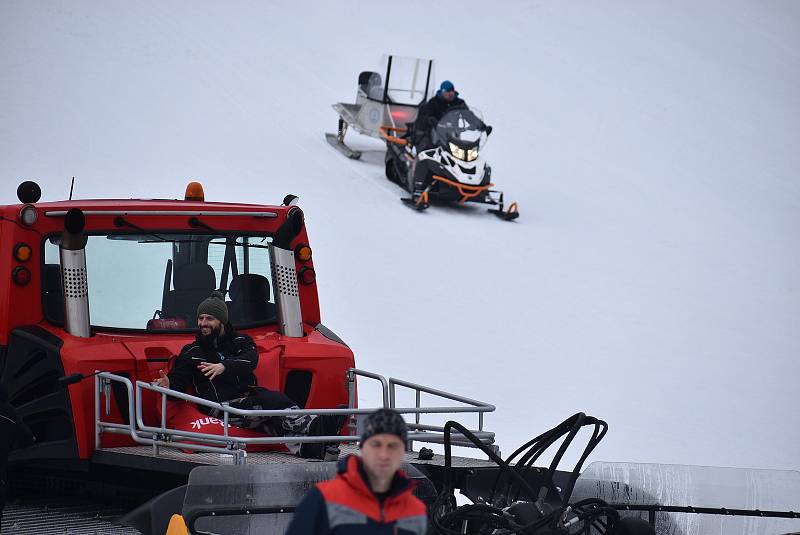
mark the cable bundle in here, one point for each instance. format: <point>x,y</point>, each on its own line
<point>514,507</point>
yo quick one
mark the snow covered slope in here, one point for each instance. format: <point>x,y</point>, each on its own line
<point>653,278</point>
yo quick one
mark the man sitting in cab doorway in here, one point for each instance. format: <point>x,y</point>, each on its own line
<point>219,366</point>
<point>370,494</point>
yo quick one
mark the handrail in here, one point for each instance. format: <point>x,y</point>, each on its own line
<point>370,375</point>
<point>479,406</point>
<point>141,433</point>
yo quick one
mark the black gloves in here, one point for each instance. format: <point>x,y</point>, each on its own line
<point>487,129</point>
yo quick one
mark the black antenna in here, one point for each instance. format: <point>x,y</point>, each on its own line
<point>72,185</point>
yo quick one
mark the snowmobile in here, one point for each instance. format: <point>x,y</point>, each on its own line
<point>453,171</point>
<point>386,107</point>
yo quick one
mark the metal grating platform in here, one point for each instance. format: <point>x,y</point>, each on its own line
<point>62,517</point>
<point>200,458</point>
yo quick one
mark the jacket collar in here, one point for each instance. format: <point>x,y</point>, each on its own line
<point>351,470</point>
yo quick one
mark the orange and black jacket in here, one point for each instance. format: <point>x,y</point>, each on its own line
<point>346,505</point>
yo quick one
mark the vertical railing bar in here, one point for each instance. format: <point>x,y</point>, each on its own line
<point>163,411</point>
<point>417,406</point>
<point>97,422</point>
<point>107,395</point>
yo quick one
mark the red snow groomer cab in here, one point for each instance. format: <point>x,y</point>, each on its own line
<point>113,286</point>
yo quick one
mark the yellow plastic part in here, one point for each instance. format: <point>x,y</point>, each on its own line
<point>177,526</point>
<point>194,192</point>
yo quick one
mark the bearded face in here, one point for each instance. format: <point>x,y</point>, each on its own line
<point>210,328</point>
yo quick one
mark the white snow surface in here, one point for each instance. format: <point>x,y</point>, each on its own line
<point>653,278</point>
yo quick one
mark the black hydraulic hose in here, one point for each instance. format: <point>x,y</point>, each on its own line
<point>538,444</point>
<point>581,420</point>
<point>570,426</point>
<point>492,517</point>
<point>600,430</point>
<point>447,491</point>
<point>485,449</point>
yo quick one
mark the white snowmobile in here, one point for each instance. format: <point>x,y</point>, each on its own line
<point>453,171</point>
<point>386,107</point>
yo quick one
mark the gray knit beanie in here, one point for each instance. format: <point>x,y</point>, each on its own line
<point>384,421</point>
<point>214,306</point>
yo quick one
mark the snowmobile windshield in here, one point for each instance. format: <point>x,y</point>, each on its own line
<point>638,485</point>
<point>462,132</point>
<point>407,81</point>
<point>135,278</point>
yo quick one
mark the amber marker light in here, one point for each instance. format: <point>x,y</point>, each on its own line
<point>302,252</point>
<point>194,192</point>
<point>21,275</point>
<point>22,252</point>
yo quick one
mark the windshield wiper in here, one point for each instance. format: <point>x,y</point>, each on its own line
<point>196,223</point>
<point>120,221</point>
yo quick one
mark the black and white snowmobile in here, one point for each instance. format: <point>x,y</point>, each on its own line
<point>453,171</point>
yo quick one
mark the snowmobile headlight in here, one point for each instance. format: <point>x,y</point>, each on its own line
<point>472,154</point>
<point>457,151</point>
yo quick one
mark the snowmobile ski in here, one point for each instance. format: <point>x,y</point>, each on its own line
<point>339,145</point>
<point>419,203</point>
<point>506,215</point>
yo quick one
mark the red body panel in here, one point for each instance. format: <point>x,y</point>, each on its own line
<point>140,354</point>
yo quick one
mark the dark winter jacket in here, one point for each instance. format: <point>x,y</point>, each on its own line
<point>236,351</point>
<point>346,505</point>
<point>431,112</point>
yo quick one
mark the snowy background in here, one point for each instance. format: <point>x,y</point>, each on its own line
<point>653,278</point>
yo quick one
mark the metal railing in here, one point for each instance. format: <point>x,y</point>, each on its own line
<point>162,435</point>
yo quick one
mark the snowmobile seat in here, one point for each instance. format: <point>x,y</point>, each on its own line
<point>53,293</point>
<point>193,283</point>
<point>371,85</point>
<point>250,293</point>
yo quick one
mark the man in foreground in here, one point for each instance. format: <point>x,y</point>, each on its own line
<point>370,494</point>
<point>219,366</point>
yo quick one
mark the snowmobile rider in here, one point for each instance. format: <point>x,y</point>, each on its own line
<point>219,366</point>
<point>370,494</point>
<point>431,112</point>
<point>13,434</point>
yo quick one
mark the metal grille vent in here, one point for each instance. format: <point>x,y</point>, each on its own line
<point>75,283</point>
<point>286,279</point>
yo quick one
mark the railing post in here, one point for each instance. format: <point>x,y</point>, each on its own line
<point>107,394</point>
<point>351,400</point>
<point>97,424</point>
<point>163,411</point>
